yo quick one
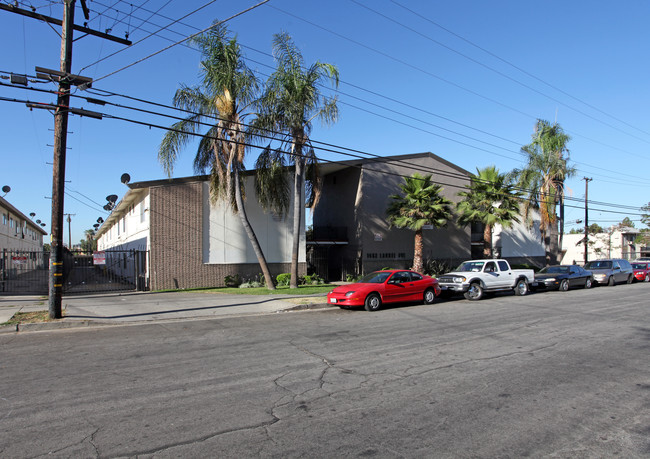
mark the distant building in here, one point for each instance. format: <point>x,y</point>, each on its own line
<point>619,243</point>
<point>170,233</point>
<point>21,248</point>
<point>17,231</point>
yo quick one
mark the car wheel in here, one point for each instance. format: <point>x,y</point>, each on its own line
<point>521,288</point>
<point>475,292</point>
<point>647,277</point>
<point>373,302</point>
<point>429,296</point>
<point>610,281</point>
<point>588,283</point>
<point>564,285</point>
<point>630,278</point>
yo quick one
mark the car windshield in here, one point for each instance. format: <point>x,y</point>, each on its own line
<point>378,277</point>
<point>471,266</point>
<point>599,264</point>
<point>639,265</point>
<point>554,270</point>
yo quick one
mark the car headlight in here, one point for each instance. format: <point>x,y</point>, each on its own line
<point>459,279</point>
<point>350,293</point>
<point>550,279</point>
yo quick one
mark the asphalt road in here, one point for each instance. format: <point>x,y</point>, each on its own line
<point>561,375</point>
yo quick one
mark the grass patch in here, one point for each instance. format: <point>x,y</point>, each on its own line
<point>30,318</point>
<point>284,290</point>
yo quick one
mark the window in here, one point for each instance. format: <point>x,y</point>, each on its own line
<point>490,267</point>
<point>416,276</point>
<point>503,265</point>
<point>142,212</point>
<point>4,219</point>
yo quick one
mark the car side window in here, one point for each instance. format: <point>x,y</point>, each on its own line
<point>573,270</point>
<point>415,276</point>
<point>490,267</point>
<point>615,265</point>
<point>503,265</point>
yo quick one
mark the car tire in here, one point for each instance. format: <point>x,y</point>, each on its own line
<point>373,302</point>
<point>647,277</point>
<point>429,296</point>
<point>610,281</point>
<point>564,285</point>
<point>475,292</point>
<point>588,283</point>
<point>521,287</point>
<point>630,278</point>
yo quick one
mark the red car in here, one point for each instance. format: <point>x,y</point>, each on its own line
<point>641,271</point>
<point>390,286</point>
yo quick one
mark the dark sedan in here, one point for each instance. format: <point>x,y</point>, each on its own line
<point>563,277</point>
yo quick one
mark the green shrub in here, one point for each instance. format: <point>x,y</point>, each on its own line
<point>232,281</point>
<point>310,279</point>
<point>283,279</point>
<point>435,268</point>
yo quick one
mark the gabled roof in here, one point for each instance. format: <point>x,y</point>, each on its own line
<point>5,204</point>
<point>330,167</point>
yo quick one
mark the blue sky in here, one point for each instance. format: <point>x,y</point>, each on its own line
<point>465,80</point>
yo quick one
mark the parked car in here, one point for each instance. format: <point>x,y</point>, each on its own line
<point>475,277</point>
<point>388,286</point>
<point>641,271</point>
<point>563,277</point>
<point>611,271</point>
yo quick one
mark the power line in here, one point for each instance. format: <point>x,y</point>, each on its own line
<point>181,41</point>
<point>516,67</point>
<point>374,158</point>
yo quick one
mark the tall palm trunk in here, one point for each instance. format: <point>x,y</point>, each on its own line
<point>487,241</point>
<point>298,185</point>
<point>417,252</point>
<point>243,217</point>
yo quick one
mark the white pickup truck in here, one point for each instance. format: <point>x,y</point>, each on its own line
<point>475,277</point>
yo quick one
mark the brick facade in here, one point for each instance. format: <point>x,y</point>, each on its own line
<point>176,222</point>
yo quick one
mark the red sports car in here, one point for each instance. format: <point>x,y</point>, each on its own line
<point>641,271</point>
<point>390,286</point>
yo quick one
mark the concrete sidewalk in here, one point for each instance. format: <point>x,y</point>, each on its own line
<point>143,307</point>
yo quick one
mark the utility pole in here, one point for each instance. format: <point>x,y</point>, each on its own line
<point>65,80</point>
<point>55,291</point>
<point>587,180</point>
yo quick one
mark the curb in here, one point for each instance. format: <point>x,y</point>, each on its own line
<point>61,325</point>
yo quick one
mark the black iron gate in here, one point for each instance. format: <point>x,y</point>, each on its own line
<point>24,272</point>
<point>112,270</point>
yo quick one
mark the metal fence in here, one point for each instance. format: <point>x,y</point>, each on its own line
<point>114,270</point>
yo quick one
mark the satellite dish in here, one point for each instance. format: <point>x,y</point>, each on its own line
<point>96,225</point>
<point>107,207</point>
<point>42,224</point>
<point>126,178</point>
<point>6,189</point>
<point>111,198</point>
<point>38,221</point>
<point>100,220</point>
<point>32,214</point>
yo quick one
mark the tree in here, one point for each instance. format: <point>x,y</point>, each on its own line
<point>421,204</point>
<point>543,179</point>
<point>89,244</point>
<point>645,215</point>
<point>228,90</point>
<point>490,199</point>
<point>625,223</point>
<point>291,101</point>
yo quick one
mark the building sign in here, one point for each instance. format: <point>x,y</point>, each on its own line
<point>19,260</point>
<point>99,258</point>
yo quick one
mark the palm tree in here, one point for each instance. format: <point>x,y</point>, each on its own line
<point>490,199</point>
<point>228,90</point>
<point>421,204</point>
<point>543,179</point>
<point>291,102</point>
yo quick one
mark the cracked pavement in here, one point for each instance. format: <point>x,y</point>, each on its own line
<point>559,375</point>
